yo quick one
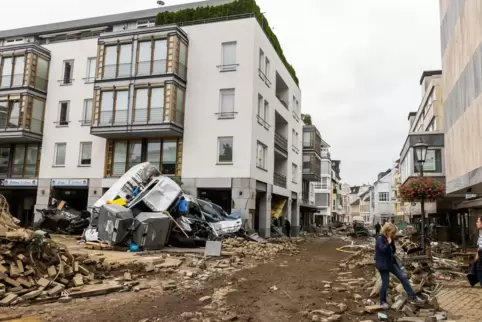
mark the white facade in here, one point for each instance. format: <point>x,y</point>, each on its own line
<point>383,204</point>
<point>323,189</point>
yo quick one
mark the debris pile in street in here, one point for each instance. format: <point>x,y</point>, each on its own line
<point>241,247</point>
<point>144,210</point>
<point>60,218</point>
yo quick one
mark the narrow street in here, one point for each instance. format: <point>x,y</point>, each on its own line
<point>280,290</point>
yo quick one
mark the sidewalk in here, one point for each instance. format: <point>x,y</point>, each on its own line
<point>461,302</point>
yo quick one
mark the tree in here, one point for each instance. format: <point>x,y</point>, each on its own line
<point>306,119</point>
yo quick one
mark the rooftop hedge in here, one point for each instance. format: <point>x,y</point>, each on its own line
<point>237,7</point>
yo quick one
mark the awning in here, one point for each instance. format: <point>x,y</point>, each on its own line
<point>308,207</point>
<point>476,203</point>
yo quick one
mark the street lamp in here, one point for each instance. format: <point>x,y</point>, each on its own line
<point>421,152</point>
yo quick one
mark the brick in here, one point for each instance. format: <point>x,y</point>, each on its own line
<point>43,282</point>
<point>51,271</point>
<point>76,266</point>
<point>78,280</point>
<point>8,299</point>
<point>32,295</point>
<point>56,290</point>
<point>14,271</point>
<point>3,269</point>
<point>12,282</point>
<point>83,270</point>
<point>24,282</point>
<point>20,266</point>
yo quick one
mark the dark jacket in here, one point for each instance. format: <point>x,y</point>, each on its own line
<point>384,251</point>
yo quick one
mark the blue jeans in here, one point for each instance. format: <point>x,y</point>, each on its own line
<point>479,276</point>
<point>385,275</point>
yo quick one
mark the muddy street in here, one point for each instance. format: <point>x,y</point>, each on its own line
<point>283,289</point>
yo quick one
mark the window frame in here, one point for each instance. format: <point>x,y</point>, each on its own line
<point>261,64</point>
<point>267,71</point>
<point>227,114</point>
<point>264,148</point>
<point>89,79</point>
<point>56,150</point>
<point>219,150</point>
<point>81,149</point>
<point>229,67</point>
<point>294,173</point>
<point>66,122</point>
<point>71,76</point>
<point>118,63</point>
<point>84,120</point>
<point>385,198</point>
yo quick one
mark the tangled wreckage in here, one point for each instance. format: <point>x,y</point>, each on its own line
<point>145,210</point>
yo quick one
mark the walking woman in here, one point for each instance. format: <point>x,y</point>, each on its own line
<point>386,264</point>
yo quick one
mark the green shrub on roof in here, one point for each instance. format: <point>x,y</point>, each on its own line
<point>236,7</point>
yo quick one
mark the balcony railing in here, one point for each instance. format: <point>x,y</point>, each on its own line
<point>14,124</point>
<point>41,83</point>
<point>156,67</point>
<point>321,186</point>
<point>24,170</point>
<point>154,115</point>
<point>7,81</point>
<point>182,72</point>
<point>325,155</point>
<point>279,180</point>
<point>117,70</point>
<point>281,142</point>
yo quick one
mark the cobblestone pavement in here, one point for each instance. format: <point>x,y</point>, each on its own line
<point>461,302</point>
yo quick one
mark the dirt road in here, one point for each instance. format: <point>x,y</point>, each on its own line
<point>275,291</point>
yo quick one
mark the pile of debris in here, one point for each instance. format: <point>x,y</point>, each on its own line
<point>144,210</point>
<point>242,247</point>
<point>60,218</point>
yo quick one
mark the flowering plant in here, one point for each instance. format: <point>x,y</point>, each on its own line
<point>422,188</point>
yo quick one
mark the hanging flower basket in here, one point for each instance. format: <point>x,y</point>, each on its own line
<point>420,188</point>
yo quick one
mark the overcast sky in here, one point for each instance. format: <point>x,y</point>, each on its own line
<point>359,63</point>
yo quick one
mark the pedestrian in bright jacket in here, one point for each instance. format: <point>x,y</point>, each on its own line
<point>385,263</point>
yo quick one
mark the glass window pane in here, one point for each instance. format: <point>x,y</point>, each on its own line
<point>227,100</point>
<point>121,107</point>
<point>141,105</point>
<point>4,159</point>
<point>225,149</point>
<point>19,70</point>
<point>125,60</point>
<point>42,73</point>
<point>183,54</point>
<point>60,151</point>
<point>154,153</point>
<point>31,164</point>
<point>14,119</point>
<point>157,105</point>
<point>144,64</point>
<point>88,105</point>
<point>119,160</point>
<point>37,115</point>
<point>160,56</point>
<point>169,149</point>
<point>85,153</point>
<point>18,160</point>
<point>106,107</point>
<point>91,66</point>
<point>110,61</point>
<point>134,157</point>
<point>3,114</point>
<point>180,107</point>
<point>7,69</point>
<point>229,54</point>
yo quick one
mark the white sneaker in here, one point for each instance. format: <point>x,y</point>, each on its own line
<point>384,306</point>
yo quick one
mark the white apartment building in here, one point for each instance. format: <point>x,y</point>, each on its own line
<point>382,204</point>
<point>210,103</point>
<point>323,188</point>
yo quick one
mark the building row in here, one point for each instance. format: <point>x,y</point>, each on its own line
<point>209,102</point>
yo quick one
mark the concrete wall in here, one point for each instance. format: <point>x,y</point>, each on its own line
<point>461,33</point>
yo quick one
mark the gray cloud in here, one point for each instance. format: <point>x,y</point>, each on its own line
<point>359,62</point>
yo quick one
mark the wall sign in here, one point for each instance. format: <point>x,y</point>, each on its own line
<point>18,182</point>
<point>70,182</point>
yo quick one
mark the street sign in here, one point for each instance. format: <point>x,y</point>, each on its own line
<point>70,182</point>
<point>18,182</point>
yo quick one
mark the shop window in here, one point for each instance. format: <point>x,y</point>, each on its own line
<point>25,160</point>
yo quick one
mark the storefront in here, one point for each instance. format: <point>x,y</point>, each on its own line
<point>21,195</point>
<point>221,197</point>
<point>75,192</point>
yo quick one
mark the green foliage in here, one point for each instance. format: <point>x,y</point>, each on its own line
<point>237,7</point>
<point>306,119</point>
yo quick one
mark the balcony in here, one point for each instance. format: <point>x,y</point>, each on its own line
<point>311,139</point>
<point>279,180</point>
<point>145,122</point>
<point>311,167</point>
<point>325,154</point>
<point>116,71</point>
<point>282,91</point>
<point>12,130</point>
<point>281,143</point>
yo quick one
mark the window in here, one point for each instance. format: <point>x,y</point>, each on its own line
<point>117,61</point>
<point>383,196</point>
<point>63,119</point>
<point>87,114</point>
<point>261,156</point>
<point>267,68</point>
<point>107,107</point>
<point>227,103</point>
<point>12,71</point>
<point>149,105</point>
<point>91,65</point>
<point>145,24</point>
<point>266,111</point>
<point>432,125</point>
<point>68,72</point>
<point>42,74</point>
<point>294,173</point>
<point>306,139</point>
<point>228,57</point>
<point>260,106</point>
<point>152,57</point>
<point>261,65</point>
<point>26,160</point>
<point>433,161</point>
<point>225,150</point>
<point>294,139</point>
<point>85,155</point>
<point>60,154</point>
<point>306,163</point>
